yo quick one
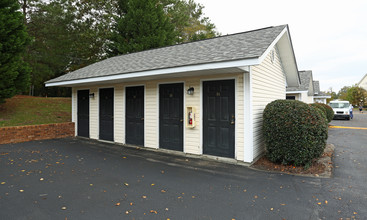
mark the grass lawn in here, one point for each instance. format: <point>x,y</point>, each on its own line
<point>28,110</point>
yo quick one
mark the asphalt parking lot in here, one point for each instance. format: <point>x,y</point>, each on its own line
<point>76,178</point>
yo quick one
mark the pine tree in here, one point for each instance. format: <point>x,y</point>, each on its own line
<point>14,73</point>
<point>141,25</point>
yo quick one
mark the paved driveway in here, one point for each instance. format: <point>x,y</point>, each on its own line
<point>82,179</point>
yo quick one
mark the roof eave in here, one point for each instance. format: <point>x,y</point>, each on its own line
<point>240,64</point>
<point>287,55</point>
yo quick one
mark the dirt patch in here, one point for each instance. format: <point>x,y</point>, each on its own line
<point>321,167</point>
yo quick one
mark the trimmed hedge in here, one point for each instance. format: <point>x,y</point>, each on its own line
<point>295,133</point>
<point>321,110</point>
<point>329,113</point>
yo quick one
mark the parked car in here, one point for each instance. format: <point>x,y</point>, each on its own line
<point>341,109</point>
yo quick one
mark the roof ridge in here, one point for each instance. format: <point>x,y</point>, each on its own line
<point>185,43</point>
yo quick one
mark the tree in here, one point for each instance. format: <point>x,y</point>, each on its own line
<point>14,73</point>
<point>354,94</point>
<point>332,94</point>
<point>187,17</point>
<point>357,95</point>
<point>140,25</point>
<point>343,93</point>
<point>68,35</point>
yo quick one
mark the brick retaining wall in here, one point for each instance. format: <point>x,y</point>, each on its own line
<point>36,132</point>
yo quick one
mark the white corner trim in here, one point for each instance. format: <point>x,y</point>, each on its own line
<point>209,66</point>
<point>248,142</point>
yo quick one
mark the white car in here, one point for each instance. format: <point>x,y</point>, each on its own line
<point>341,109</point>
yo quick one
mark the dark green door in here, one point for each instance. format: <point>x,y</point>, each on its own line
<point>218,118</point>
<point>106,114</point>
<point>171,116</point>
<point>135,115</point>
<point>83,113</point>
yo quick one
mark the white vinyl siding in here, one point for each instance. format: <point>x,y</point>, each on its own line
<point>119,114</point>
<point>192,136</point>
<point>268,84</point>
<point>151,115</point>
<point>94,114</point>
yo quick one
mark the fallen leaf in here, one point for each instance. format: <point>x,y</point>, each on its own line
<point>354,213</point>
<point>271,209</point>
<point>131,203</point>
<point>124,157</point>
<point>319,203</point>
<point>245,190</point>
<point>126,184</point>
<point>255,197</point>
<point>163,191</point>
<point>326,202</point>
<point>63,208</point>
<point>152,184</point>
<point>91,184</point>
<point>153,211</point>
<point>21,190</point>
<point>2,183</point>
<point>127,212</point>
<point>144,197</point>
<point>282,204</point>
<point>117,204</point>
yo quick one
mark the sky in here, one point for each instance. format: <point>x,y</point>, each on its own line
<point>329,36</point>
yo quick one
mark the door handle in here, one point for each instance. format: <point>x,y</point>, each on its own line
<point>142,119</point>
<point>181,120</point>
<point>232,120</point>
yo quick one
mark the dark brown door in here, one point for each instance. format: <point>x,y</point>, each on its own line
<point>171,116</point>
<point>219,118</point>
<point>106,114</point>
<point>83,113</point>
<point>135,115</point>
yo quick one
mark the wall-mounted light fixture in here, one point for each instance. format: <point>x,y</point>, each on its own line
<point>190,91</point>
<point>91,95</point>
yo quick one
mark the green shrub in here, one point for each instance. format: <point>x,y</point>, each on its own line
<point>295,133</point>
<point>321,109</point>
<point>329,112</point>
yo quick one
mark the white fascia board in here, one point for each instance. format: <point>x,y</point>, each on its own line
<point>322,97</point>
<point>262,57</point>
<point>209,66</point>
<point>291,92</point>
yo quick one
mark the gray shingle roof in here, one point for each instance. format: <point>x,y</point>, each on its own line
<point>321,94</point>
<point>316,87</point>
<point>306,77</point>
<point>246,45</point>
